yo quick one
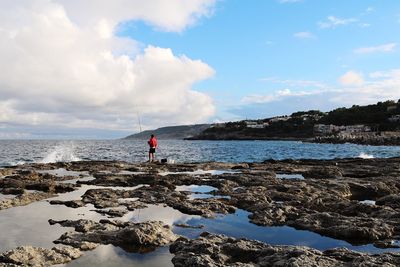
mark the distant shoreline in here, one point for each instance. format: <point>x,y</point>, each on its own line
<point>377,140</point>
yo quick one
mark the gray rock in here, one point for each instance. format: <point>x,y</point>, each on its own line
<point>127,235</point>
<point>220,250</point>
<point>34,256</point>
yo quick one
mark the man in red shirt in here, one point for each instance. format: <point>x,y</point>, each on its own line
<point>153,145</point>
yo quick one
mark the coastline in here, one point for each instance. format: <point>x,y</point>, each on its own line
<point>344,199</point>
<point>372,139</point>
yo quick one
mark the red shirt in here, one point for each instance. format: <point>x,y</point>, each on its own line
<point>152,142</point>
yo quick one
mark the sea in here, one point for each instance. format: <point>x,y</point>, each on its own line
<point>28,225</point>
<point>16,152</point>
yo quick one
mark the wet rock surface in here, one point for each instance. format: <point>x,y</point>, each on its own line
<point>355,200</point>
<point>128,235</point>
<point>33,256</point>
<point>218,250</point>
<point>327,200</point>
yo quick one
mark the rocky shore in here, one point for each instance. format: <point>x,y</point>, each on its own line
<point>366,138</point>
<point>355,200</point>
<point>218,250</point>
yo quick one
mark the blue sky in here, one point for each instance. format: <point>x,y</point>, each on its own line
<point>255,46</point>
<point>91,69</point>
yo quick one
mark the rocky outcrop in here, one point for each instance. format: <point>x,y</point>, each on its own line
<point>218,250</point>
<point>327,201</point>
<point>34,256</point>
<point>69,203</point>
<point>128,235</point>
<point>355,200</point>
<point>363,138</point>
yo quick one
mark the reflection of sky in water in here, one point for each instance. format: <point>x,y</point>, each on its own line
<point>160,213</point>
<point>196,188</point>
<point>368,202</point>
<point>28,225</point>
<point>114,256</point>
<point>238,225</point>
<point>200,191</point>
<point>200,172</point>
<point>202,196</point>
<point>289,176</point>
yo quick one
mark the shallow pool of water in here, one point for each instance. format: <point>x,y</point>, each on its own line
<point>196,188</point>
<point>117,257</point>
<point>238,225</point>
<point>289,176</point>
<point>368,202</point>
<point>4,197</point>
<point>200,172</point>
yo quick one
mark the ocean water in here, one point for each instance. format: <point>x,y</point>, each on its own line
<point>13,152</point>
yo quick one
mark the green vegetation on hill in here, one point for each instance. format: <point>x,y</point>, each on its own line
<point>376,115</point>
<point>300,125</point>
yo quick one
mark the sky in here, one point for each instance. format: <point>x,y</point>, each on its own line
<point>77,69</point>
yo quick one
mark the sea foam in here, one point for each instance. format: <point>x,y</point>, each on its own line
<point>63,152</point>
<point>365,156</point>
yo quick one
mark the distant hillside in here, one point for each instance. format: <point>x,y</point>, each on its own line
<point>383,116</point>
<point>172,132</point>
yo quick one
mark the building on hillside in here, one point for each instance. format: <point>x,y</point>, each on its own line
<point>359,128</point>
<point>254,124</point>
<point>276,119</point>
<point>323,129</point>
<point>394,118</point>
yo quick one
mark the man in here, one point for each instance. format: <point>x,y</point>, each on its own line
<point>153,145</point>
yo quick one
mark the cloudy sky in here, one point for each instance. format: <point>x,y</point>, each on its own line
<point>92,68</point>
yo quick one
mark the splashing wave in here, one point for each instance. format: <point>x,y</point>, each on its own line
<point>365,156</point>
<point>63,152</point>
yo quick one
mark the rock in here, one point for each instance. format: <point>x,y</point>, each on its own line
<point>352,229</point>
<point>327,201</point>
<point>184,225</point>
<point>127,235</point>
<point>219,250</point>
<point>392,201</point>
<point>112,213</point>
<point>70,203</point>
<point>34,256</point>
<point>4,172</point>
<point>205,207</point>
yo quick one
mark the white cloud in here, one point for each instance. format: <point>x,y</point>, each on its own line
<point>364,25</point>
<point>63,65</point>
<point>385,48</point>
<point>171,15</point>
<point>369,9</point>
<point>333,22</point>
<point>351,78</point>
<point>381,86</point>
<point>276,96</point>
<point>304,35</point>
<point>294,83</point>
